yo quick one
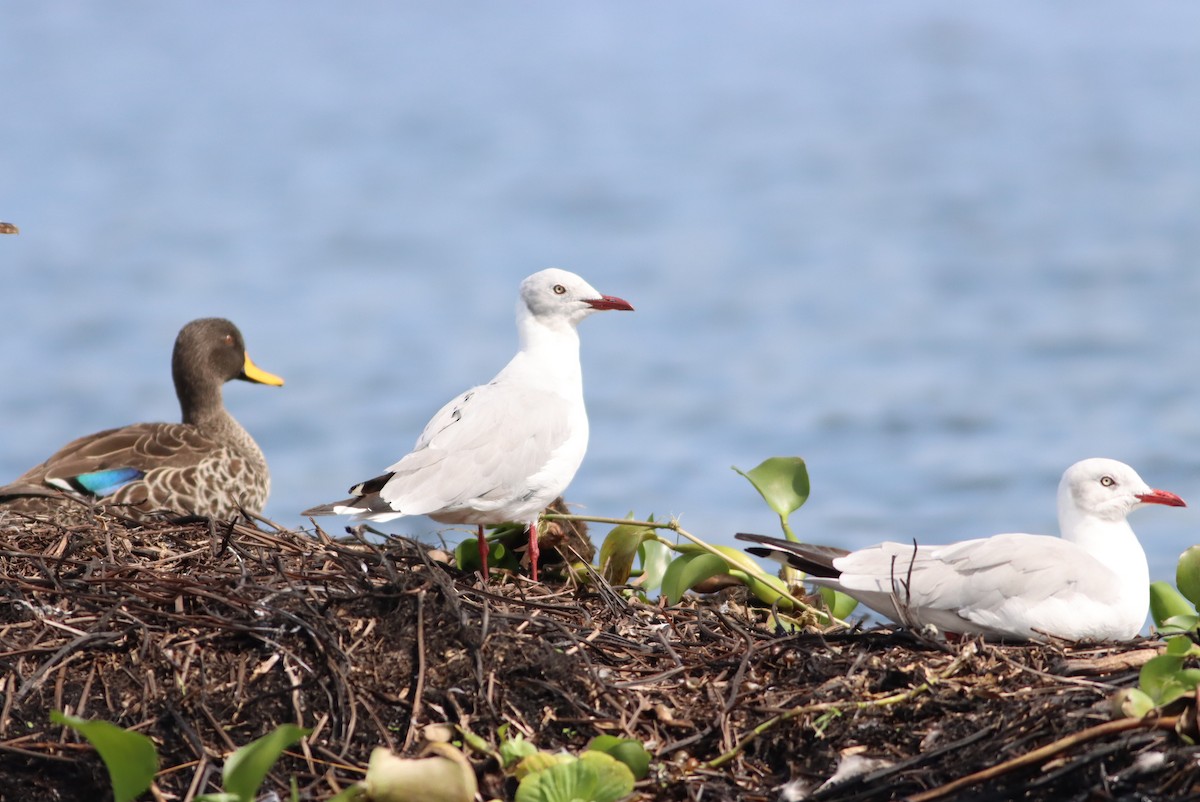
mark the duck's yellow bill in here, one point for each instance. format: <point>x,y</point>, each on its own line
<point>252,372</point>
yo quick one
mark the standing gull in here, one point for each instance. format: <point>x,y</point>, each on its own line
<point>206,465</point>
<point>1090,584</point>
<point>504,450</point>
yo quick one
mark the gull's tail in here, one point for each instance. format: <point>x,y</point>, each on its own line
<point>812,560</point>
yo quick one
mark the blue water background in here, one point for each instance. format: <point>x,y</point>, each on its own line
<point>941,250</point>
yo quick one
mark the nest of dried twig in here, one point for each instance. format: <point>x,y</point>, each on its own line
<point>206,636</point>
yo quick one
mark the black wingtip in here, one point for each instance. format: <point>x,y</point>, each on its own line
<point>813,560</point>
<point>371,486</point>
<point>327,509</point>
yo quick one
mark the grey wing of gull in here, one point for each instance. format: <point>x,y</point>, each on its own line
<point>977,579</point>
<point>484,445</point>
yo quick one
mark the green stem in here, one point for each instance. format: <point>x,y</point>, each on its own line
<point>787,530</point>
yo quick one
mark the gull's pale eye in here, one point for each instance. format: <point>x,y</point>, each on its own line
<point>1107,481</point>
<point>559,289</point>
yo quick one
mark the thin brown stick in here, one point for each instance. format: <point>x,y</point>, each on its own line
<point>1046,752</point>
<point>419,690</point>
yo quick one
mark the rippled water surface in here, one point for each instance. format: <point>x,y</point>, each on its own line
<point>940,250</point>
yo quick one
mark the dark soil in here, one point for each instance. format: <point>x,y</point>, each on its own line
<point>205,636</point>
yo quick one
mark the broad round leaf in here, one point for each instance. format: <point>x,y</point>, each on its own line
<point>594,777</point>
<point>782,482</point>
<point>1159,680</point>
<point>1166,602</point>
<point>1187,575</point>
<point>626,750</point>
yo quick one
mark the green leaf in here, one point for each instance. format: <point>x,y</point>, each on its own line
<point>130,757</point>
<point>594,777</point>
<point>782,482</point>
<point>466,553</point>
<point>245,769</point>
<point>1163,679</point>
<point>351,793</point>
<point>656,556</point>
<point>1182,646</point>
<point>1187,575</point>
<point>1178,624</point>
<point>766,588</point>
<point>626,750</point>
<point>840,605</point>
<point>618,551</point>
<point>515,749</point>
<point>687,570</point>
<point>540,761</point>
<point>1131,703</point>
<point>1166,602</point>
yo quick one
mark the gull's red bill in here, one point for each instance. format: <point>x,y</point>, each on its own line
<point>609,302</point>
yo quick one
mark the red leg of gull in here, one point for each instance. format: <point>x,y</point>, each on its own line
<point>483,553</point>
<point>533,550</point>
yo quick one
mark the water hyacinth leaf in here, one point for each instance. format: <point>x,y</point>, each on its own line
<point>626,750</point>
<point>466,555</point>
<point>1181,646</point>
<point>839,604</point>
<point>245,769</point>
<point>594,777</point>
<point>1164,679</point>
<point>767,589</point>
<point>515,749</point>
<point>740,559</point>
<point>1131,703</point>
<point>1178,624</point>
<point>656,556</point>
<point>1156,675</point>
<point>687,570</point>
<point>618,551</point>
<point>1166,602</point>
<point>130,757</point>
<point>540,761</point>
<point>1187,574</point>
<point>782,482</point>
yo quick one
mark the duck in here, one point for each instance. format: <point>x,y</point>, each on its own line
<point>206,465</point>
<point>502,451</point>
<point>1090,584</point>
